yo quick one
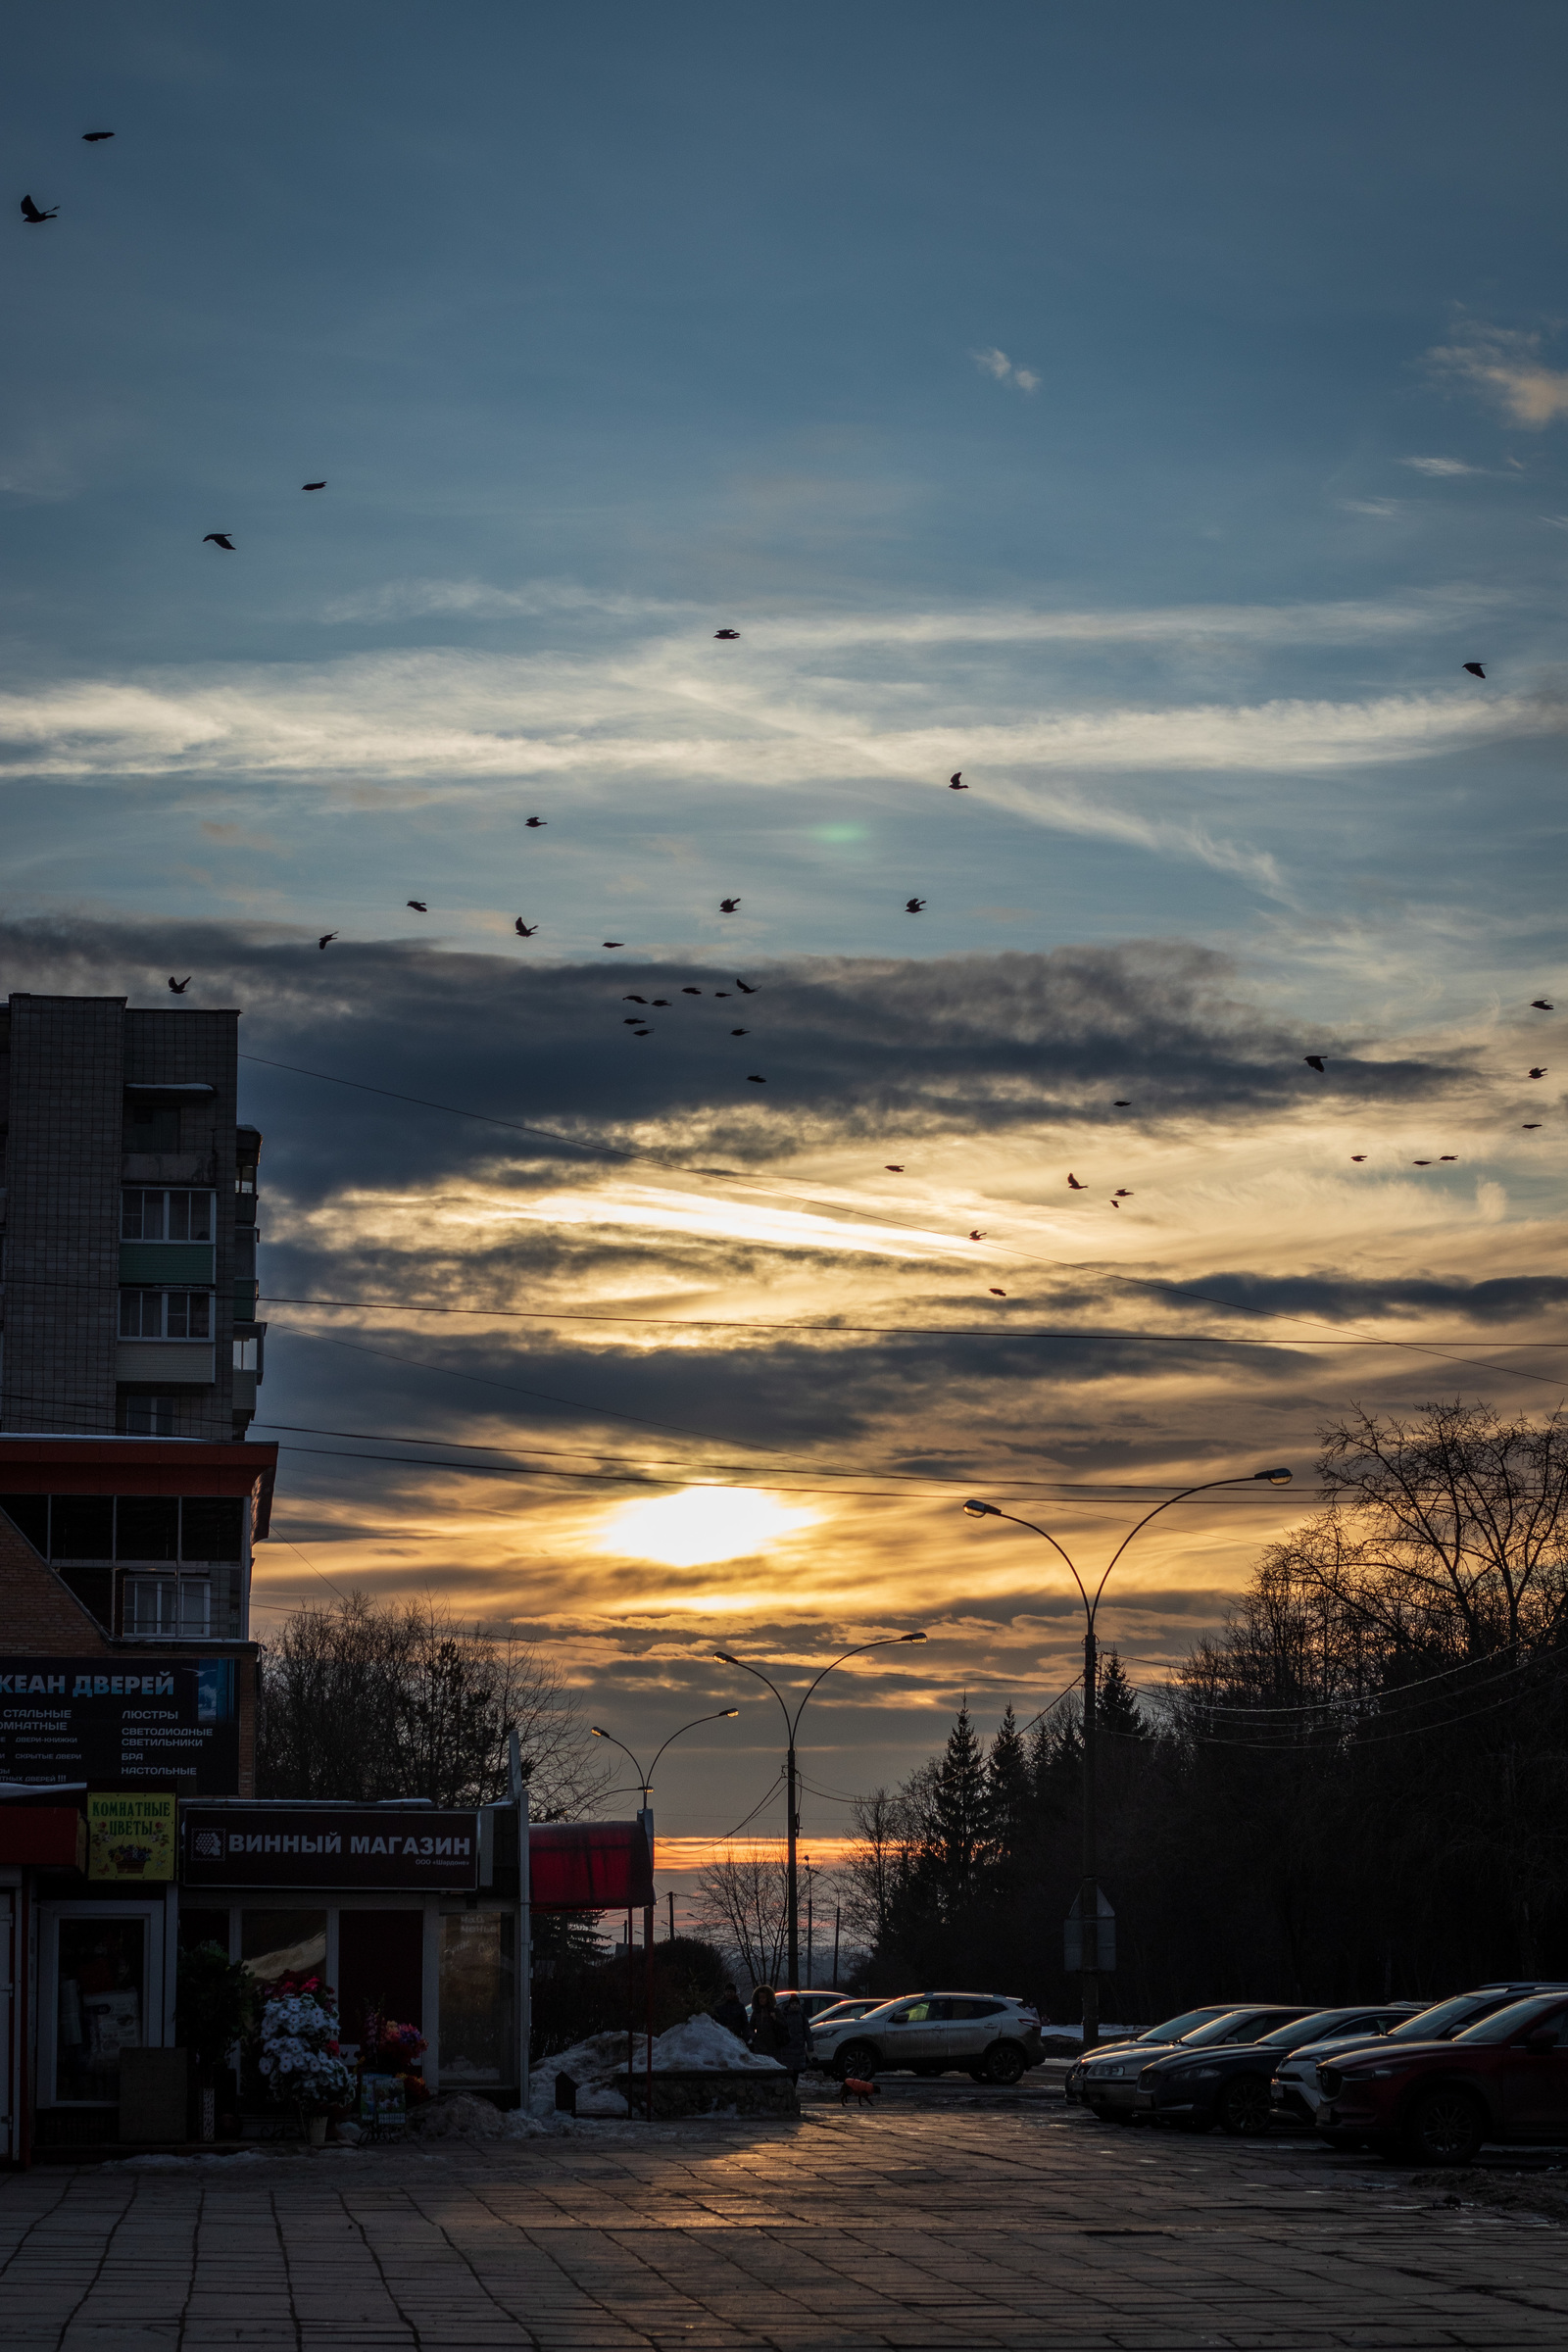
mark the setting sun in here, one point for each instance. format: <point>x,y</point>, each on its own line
<point>703,1524</point>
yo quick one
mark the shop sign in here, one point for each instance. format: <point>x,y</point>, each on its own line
<point>346,1847</point>
<point>131,1835</point>
<point>120,1720</point>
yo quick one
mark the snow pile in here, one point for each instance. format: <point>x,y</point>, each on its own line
<point>462,2117</point>
<point>704,2044</point>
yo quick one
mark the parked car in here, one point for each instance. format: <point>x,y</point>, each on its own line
<point>1110,2087</point>
<point>1173,2030</point>
<point>989,2036</point>
<point>1437,2102</point>
<point>1297,2094</point>
<point>842,2010</point>
<point>816,2004</point>
<point>1229,2084</point>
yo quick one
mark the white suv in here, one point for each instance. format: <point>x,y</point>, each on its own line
<point>995,2039</point>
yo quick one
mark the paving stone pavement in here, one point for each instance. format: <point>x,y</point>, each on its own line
<point>908,2227</point>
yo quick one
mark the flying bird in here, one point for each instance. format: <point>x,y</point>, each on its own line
<point>752,1079</point>
<point>1420,1164</point>
<point>313,485</point>
<point>665,1001</point>
<point>93,136</point>
<point>721,992</point>
<point>326,938</point>
<point>1120,1104</point>
<point>1448,1154</point>
<point>726,632</point>
<point>1121,1194</point>
<point>740,1032</point>
<point>995,1293</point>
<point>691,992</point>
<point>418,905</point>
<point>1314,1061</point>
<point>220,539</point>
<point>913,905</point>
<point>1114,1203</point>
<point>633,1020</point>
<point>1531,1126</point>
<point>745,991</point>
<point>634,999</point>
<point>894,1167</point>
<point>1358,1156</point>
<point>956,783</point>
<point>178,988</point>
<point>534,822</point>
<point>1542,1004</point>
<point>527,930</point>
<point>32,215</point>
<point>613,942</point>
<point>977,1235</point>
<point>1475,670</point>
<point>727,905</point>
<point>1538,1073</point>
<point>1074,1185</point>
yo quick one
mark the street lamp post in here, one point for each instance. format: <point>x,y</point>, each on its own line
<point>645,1782</point>
<point>1089,1888</point>
<point>792,1725</point>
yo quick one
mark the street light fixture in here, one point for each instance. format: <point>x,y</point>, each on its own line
<point>792,1725</point>
<point>1089,1889</point>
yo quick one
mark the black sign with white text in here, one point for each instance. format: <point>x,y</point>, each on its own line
<point>120,1722</point>
<point>330,1846</point>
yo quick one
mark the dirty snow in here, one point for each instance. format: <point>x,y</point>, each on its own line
<point>592,2064</point>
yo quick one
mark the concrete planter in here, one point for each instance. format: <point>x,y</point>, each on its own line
<point>709,2090</point>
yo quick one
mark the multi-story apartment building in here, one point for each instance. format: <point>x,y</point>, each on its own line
<point>128,1220</point>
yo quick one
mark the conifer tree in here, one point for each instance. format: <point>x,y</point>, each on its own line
<point>1116,1707</point>
<point>1010,1796</point>
<point>959,1814</point>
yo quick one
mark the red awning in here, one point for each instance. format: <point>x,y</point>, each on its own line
<point>50,1836</point>
<point>589,1866</point>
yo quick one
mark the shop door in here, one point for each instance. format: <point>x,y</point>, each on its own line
<point>9,1959</point>
<point>101,1970</point>
<point>380,1969</point>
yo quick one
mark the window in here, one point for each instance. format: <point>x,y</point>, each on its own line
<point>152,1126</point>
<point>166,1216</point>
<point>174,1607</point>
<point>82,1527</point>
<point>166,1315</point>
<point>147,1527</point>
<point>478,1998</point>
<point>279,1944</point>
<point>213,1527</point>
<point>147,1416</point>
<point>103,1972</point>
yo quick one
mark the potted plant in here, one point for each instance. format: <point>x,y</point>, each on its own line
<point>300,2057</point>
<point>215,2005</point>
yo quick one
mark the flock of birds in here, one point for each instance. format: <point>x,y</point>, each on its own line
<point>34,215</point>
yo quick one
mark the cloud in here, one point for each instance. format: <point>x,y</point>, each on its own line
<point>1505,366</point>
<point>996,363</point>
<point>1439,467</point>
<point>1383,509</point>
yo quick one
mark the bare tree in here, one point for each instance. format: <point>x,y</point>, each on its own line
<point>370,1699</point>
<point>743,1907</point>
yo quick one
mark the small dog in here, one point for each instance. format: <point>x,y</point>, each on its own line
<point>861,2093</point>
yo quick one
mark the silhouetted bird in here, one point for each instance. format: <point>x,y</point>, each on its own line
<point>1448,1154</point>
<point>956,783</point>
<point>753,1079</point>
<point>1120,1104</point>
<point>1121,1194</point>
<point>740,1032</point>
<point>727,633</point>
<point>326,938</point>
<point>691,992</point>
<point>665,1001</point>
<point>1531,1126</point>
<point>1074,1185</point>
<point>613,942</point>
<point>894,1167</point>
<point>630,1000</point>
<point>1475,670</point>
<point>727,905</point>
<point>1314,1061</point>
<point>977,1235</point>
<point>178,988</point>
<point>721,992</point>
<point>1358,1156</point>
<point>1114,1203</point>
<point>93,136</point>
<point>419,906</point>
<point>220,539</point>
<point>913,905</point>
<point>313,485</point>
<point>534,822</point>
<point>1542,1004</point>
<point>1420,1164</point>
<point>995,1293</point>
<point>633,1020</point>
<point>524,930</point>
<point>745,991</point>
<point>32,215</point>
<point>1538,1073</point>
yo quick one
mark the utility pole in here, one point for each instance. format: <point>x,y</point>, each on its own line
<point>811,1933</point>
<point>791,1876</point>
<point>836,1909</point>
<point>1089,1893</point>
<point>670,1898</point>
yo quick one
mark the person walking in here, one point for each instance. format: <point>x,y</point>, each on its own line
<point>730,2013</point>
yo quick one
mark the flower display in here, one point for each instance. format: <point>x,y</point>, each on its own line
<point>301,2059</point>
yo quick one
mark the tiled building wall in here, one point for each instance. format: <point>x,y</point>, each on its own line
<point>181,1049</point>
<point>63,1180</point>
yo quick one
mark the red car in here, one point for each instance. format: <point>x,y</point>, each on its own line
<point>1505,2078</point>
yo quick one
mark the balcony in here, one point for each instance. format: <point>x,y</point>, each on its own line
<point>171,1363</point>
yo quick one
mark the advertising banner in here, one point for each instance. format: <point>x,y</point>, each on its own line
<point>132,1836</point>
<point>124,1718</point>
<point>345,1847</point>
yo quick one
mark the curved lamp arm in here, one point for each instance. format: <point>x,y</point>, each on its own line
<point>887,1642</point>
<point>724,1715</point>
<point>988,1510</point>
<point>643,1779</point>
<point>724,1658</point>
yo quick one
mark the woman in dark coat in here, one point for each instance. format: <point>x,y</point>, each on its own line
<point>797,2037</point>
<point>767,2035</point>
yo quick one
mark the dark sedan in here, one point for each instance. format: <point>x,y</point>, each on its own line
<point>1296,2094</point>
<point>1229,2083</point>
<point>1110,2086</point>
<point>1150,2040</point>
<point>1505,2078</point>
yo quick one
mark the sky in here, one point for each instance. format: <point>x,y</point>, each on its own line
<point>1145,414</point>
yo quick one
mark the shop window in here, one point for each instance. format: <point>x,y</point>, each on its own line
<point>147,1527</point>
<point>102,2004</point>
<point>212,1527</point>
<point>282,1944</point>
<point>478,1999</point>
<point>82,1527</point>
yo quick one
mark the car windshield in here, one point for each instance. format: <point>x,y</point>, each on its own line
<point>1175,2029</point>
<point>1322,2022</point>
<point>1507,2024</point>
<point>1437,2023</point>
<point>1229,2027</point>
